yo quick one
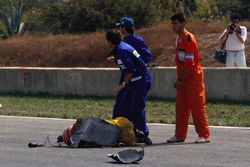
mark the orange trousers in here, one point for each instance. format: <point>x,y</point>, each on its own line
<point>191,98</point>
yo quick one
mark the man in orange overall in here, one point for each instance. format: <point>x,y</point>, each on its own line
<point>190,85</point>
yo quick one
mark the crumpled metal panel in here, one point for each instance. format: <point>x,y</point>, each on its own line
<point>128,156</point>
<point>97,131</point>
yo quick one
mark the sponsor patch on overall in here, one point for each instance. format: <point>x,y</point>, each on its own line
<point>119,61</point>
<point>136,54</point>
<point>190,57</point>
<point>123,67</point>
<point>181,55</point>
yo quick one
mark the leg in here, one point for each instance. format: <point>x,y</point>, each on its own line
<point>138,104</point>
<point>241,59</point>
<point>120,109</point>
<point>198,107</point>
<point>182,114</point>
<point>230,60</point>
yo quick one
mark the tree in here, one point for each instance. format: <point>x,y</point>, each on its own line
<point>186,6</point>
<point>91,15</point>
<point>234,6</point>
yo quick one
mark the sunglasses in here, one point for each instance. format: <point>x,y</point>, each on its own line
<point>236,21</point>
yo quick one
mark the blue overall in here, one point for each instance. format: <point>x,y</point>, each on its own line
<point>138,43</point>
<point>130,101</point>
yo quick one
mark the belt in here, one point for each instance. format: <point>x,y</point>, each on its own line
<point>136,78</point>
<point>235,50</point>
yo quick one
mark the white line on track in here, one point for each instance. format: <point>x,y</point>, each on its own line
<point>152,124</point>
<point>38,118</point>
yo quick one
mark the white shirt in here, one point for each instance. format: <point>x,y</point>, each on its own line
<point>233,43</point>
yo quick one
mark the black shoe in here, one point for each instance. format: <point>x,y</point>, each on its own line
<point>59,139</point>
<point>142,138</point>
<point>147,141</point>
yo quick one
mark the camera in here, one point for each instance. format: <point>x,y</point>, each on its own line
<point>233,27</point>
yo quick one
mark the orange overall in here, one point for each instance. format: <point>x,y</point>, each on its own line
<point>191,90</point>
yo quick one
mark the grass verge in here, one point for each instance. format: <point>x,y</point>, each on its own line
<point>158,110</point>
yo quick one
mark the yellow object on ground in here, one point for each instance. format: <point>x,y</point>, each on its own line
<point>128,135</point>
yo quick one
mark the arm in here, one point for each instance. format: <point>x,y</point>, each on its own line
<point>111,56</point>
<point>111,59</point>
<point>224,35</point>
<point>143,50</point>
<point>243,36</point>
<point>240,38</point>
<point>147,54</point>
<point>129,71</point>
<point>183,76</point>
<point>185,73</point>
<point>127,78</point>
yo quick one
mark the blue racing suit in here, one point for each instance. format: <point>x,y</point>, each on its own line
<point>140,46</point>
<point>130,101</point>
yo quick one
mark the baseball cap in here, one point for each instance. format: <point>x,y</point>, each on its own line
<point>125,21</point>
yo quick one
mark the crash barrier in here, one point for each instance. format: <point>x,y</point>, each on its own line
<point>221,83</point>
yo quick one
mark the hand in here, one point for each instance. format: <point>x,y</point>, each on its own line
<point>178,84</point>
<point>238,30</point>
<point>111,58</point>
<point>229,30</point>
<point>119,88</point>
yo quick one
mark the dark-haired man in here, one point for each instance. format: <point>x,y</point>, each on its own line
<point>234,37</point>
<point>190,85</point>
<point>133,86</point>
<point>126,27</point>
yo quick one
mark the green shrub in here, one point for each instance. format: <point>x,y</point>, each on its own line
<point>12,18</point>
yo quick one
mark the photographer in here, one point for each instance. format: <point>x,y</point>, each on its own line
<point>234,37</point>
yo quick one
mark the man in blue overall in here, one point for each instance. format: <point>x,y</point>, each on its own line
<point>133,86</point>
<point>126,27</point>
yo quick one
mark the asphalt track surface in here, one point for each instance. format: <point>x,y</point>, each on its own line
<point>229,147</point>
